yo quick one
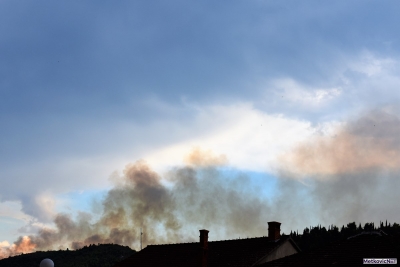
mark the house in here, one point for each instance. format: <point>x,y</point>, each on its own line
<point>348,252</point>
<point>233,253</point>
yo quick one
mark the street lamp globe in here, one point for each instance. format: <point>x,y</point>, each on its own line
<point>46,263</point>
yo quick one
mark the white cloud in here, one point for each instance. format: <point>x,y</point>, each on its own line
<point>47,203</point>
<point>371,65</point>
<point>306,96</point>
<point>12,209</point>
<point>356,83</point>
<point>248,137</point>
<point>11,218</point>
<point>369,81</point>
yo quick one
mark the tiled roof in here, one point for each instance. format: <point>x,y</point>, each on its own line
<point>232,253</point>
<point>347,252</point>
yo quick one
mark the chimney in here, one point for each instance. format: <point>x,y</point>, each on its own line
<point>274,231</point>
<point>203,248</point>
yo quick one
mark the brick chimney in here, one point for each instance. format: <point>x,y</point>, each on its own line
<point>274,231</point>
<point>203,248</point>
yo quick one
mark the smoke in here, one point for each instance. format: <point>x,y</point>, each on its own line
<point>169,209</point>
<point>203,158</point>
<point>352,175</point>
<point>22,245</point>
<point>370,142</point>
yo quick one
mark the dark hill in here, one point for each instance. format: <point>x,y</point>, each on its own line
<point>102,255</point>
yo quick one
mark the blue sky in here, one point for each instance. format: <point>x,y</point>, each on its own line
<point>87,88</point>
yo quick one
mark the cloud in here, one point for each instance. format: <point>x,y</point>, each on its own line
<point>307,97</point>
<point>12,209</point>
<point>228,129</point>
<point>46,203</point>
<point>353,83</point>
<point>369,80</point>
<point>371,65</point>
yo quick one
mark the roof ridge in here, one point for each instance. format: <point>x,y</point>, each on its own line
<point>224,240</point>
<point>244,238</point>
<point>166,244</point>
<point>379,233</point>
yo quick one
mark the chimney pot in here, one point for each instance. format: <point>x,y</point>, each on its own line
<point>203,248</point>
<point>204,238</point>
<point>274,230</point>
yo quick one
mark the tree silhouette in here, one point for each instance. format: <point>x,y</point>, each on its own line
<point>317,236</point>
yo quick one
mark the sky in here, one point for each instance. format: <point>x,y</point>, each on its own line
<point>174,116</point>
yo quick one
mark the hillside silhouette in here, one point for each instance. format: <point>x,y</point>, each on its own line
<point>101,255</point>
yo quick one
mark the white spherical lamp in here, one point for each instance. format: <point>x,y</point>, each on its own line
<point>46,263</point>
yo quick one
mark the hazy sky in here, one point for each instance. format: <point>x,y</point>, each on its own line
<point>274,110</point>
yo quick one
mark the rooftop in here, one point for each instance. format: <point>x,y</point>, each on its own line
<point>347,252</point>
<point>232,253</point>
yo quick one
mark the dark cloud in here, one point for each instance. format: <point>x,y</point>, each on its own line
<point>74,53</point>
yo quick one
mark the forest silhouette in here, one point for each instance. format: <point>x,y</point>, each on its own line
<point>317,236</point>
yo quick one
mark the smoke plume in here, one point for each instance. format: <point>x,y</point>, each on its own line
<point>22,245</point>
<point>371,142</point>
<point>352,175</point>
<point>169,209</point>
<point>203,158</point>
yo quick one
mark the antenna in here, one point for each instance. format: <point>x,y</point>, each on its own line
<point>141,233</point>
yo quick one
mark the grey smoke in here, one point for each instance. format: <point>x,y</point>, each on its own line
<point>172,208</point>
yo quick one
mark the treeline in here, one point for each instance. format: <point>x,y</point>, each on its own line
<point>101,255</point>
<point>317,236</point>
